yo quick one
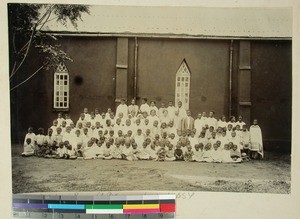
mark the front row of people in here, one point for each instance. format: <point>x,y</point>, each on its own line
<point>126,148</point>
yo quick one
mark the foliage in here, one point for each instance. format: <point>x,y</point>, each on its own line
<point>26,23</point>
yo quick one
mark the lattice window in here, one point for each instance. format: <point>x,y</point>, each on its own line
<point>182,86</point>
<point>61,87</point>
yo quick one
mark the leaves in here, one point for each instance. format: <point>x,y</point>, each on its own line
<point>25,28</point>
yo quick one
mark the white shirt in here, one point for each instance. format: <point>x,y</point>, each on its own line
<point>122,108</point>
<point>145,107</point>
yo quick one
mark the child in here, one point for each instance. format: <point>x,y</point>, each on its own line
<point>161,153</point>
<point>188,155</point>
<point>207,153</point>
<point>235,154</point>
<point>172,138</point>
<point>202,138</point>
<point>235,139</point>
<point>198,154</point>
<point>107,151</point>
<point>127,151</point>
<point>226,158</point>
<point>30,135</point>
<point>152,152</point>
<point>144,152</point>
<point>76,139</point>
<point>54,125</point>
<point>68,120</point>
<point>178,153</point>
<point>117,151</point>
<point>89,151</point>
<point>40,139</point>
<point>135,152</point>
<point>170,152</point>
<point>216,154</point>
<point>61,151</point>
<point>245,141</point>
<point>171,128</point>
<point>155,129</point>
<point>148,134</point>
<point>28,148</point>
<point>58,137</point>
<point>139,138</point>
<point>209,132</point>
<point>146,125</point>
<point>163,129</point>
<point>193,139</point>
<point>79,151</point>
<point>229,130</point>
<point>256,142</point>
<point>87,116</point>
<point>59,119</point>
<point>164,138</point>
<point>81,120</point>
<point>70,154</point>
<point>128,126</point>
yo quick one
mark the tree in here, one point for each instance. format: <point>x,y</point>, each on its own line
<point>26,22</point>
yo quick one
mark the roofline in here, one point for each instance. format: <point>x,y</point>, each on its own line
<point>167,35</point>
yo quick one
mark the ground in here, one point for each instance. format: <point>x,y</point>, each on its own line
<point>32,174</point>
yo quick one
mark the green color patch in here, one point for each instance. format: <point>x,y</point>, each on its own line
<point>112,206</point>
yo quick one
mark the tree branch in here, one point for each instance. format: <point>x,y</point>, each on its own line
<point>46,19</point>
<point>28,44</point>
<point>25,55</point>
<point>37,71</point>
<point>13,41</point>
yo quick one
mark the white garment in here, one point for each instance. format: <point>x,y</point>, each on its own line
<point>122,108</point>
<point>145,108</point>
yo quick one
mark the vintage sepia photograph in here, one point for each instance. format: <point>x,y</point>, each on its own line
<point>135,98</point>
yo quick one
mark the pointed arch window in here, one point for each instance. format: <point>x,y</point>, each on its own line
<point>61,87</point>
<point>182,86</point>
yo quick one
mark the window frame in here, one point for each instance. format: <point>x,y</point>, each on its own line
<point>61,88</point>
<point>183,85</point>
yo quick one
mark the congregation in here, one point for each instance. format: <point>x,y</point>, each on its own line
<point>147,132</point>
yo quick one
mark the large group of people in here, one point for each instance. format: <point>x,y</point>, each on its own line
<point>147,132</point>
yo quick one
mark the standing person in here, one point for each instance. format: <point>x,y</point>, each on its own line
<point>222,122</point>
<point>133,107</point>
<point>198,124</point>
<point>171,110</point>
<point>181,110</point>
<point>240,122</point>
<point>256,143</point>
<point>87,116</point>
<point>60,119</point>
<point>165,117</point>
<point>211,120</point>
<point>122,108</point>
<point>178,122</point>
<point>145,107</point>
<point>188,122</point>
<point>153,107</point>
<point>161,110</point>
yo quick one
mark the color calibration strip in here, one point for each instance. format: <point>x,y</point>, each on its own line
<point>156,206</point>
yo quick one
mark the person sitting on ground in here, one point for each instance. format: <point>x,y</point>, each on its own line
<point>28,148</point>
